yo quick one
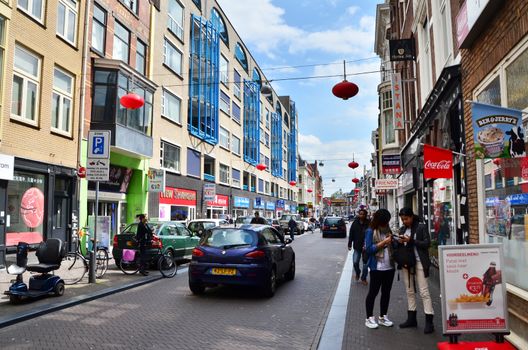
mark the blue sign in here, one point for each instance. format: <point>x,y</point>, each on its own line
<point>270,206</point>
<point>257,204</point>
<point>280,203</point>
<point>518,199</point>
<point>98,146</point>
<point>293,208</point>
<point>241,202</point>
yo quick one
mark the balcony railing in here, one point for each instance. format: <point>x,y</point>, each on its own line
<point>209,177</point>
<point>245,187</point>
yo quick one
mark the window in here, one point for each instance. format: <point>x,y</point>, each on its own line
<point>141,57</point>
<point>137,119</point>
<point>240,55</point>
<point>266,187</point>
<point>171,106</point>
<point>198,3</point>
<point>219,25</point>
<point>34,8</point>
<point>491,94</point>
<point>224,138</point>
<point>390,135</point>
<point>267,119</point>
<point>256,77</point>
<point>194,163</point>
<point>121,43</point>
<point>516,82</point>
<point>67,20</point>
<point>175,18</point>
<point>235,145</point>
<point>62,101</point>
<point>225,103</point>
<point>26,83</point>
<point>267,139</point>
<point>236,177</point>
<point>386,100</point>
<point>99,29</point>
<point>224,174</point>
<point>169,156</point>
<point>262,137</point>
<point>224,70</point>
<point>267,162</point>
<point>172,57</point>
<point>251,123</point>
<point>236,112</point>
<point>2,50</point>
<point>236,86</point>
<point>132,5</point>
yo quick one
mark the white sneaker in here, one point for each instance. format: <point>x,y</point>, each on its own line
<point>371,323</point>
<point>384,321</point>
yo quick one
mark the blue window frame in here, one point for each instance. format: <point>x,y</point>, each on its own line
<point>219,24</point>
<point>256,77</point>
<point>241,57</point>
<point>203,84</point>
<point>251,122</point>
<point>276,144</point>
<point>292,146</point>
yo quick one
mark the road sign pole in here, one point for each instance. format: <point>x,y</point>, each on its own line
<point>93,263</point>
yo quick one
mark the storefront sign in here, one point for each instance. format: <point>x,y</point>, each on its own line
<point>402,50</point>
<point>472,288</point>
<point>438,163</point>
<point>391,164</point>
<point>219,201</point>
<point>178,196</point>
<point>156,180</point>
<point>241,202</point>
<point>270,206</point>
<point>258,203</point>
<point>7,167</point>
<point>118,180</point>
<point>491,126</point>
<point>386,184</point>
<point>209,192</point>
<point>280,203</point>
<point>397,102</point>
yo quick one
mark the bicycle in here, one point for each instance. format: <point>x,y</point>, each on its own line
<point>130,262</point>
<point>77,264</point>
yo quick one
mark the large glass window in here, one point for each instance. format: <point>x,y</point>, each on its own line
<point>62,101</point>
<point>237,79</point>
<point>224,70</point>
<point>171,106</point>
<point>67,20</point>
<point>224,138</point>
<point>172,57</point>
<point>2,50</point>
<point>175,18</point>
<point>141,57</point>
<point>99,29</point>
<point>236,177</point>
<point>121,43</point>
<point>224,174</point>
<point>256,77</point>
<point>34,8</point>
<point>251,122</point>
<point>219,25</point>
<point>517,81</point>
<point>235,145</point>
<point>138,119</point>
<point>390,135</point>
<point>26,84</point>
<point>240,55</point>
<point>169,156</point>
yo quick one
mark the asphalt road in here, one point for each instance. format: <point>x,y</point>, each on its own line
<point>165,314</point>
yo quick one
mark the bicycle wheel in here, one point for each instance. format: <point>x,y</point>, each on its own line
<point>129,267</point>
<point>73,268</point>
<point>101,259</point>
<point>167,265</point>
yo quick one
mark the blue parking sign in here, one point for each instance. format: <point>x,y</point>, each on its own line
<point>99,144</point>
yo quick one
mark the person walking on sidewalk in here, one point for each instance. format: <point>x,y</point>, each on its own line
<point>356,240</point>
<point>292,225</point>
<point>378,243</point>
<point>144,237</point>
<point>414,236</point>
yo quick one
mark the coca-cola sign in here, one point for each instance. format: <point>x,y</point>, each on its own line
<point>438,163</point>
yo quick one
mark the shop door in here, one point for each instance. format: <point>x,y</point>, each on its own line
<point>3,190</point>
<point>60,217</point>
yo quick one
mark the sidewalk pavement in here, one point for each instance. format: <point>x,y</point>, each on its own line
<point>113,281</point>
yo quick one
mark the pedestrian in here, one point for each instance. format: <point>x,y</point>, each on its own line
<point>258,220</point>
<point>292,225</point>
<point>143,237</point>
<point>414,235</point>
<point>356,240</point>
<point>378,242</point>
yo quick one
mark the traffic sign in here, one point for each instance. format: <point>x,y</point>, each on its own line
<point>99,144</point>
<point>97,169</point>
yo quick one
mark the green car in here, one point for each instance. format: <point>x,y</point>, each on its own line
<point>173,237</point>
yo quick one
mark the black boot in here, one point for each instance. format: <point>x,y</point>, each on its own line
<point>411,320</point>
<point>429,326</point>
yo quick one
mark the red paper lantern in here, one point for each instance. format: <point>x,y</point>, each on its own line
<point>345,90</point>
<point>320,195</point>
<point>132,101</point>
<point>81,172</point>
<point>353,164</point>
<point>442,188</point>
<point>293,183</point>
<point>356,190</point>
<point>261,166</point>
<point>497,161</point>
<point>309,190</point>
<point>355,180</point>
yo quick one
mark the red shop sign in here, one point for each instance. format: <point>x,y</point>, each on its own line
<point>219,201</point>
<point>438,163</point>
<point>178,196</point>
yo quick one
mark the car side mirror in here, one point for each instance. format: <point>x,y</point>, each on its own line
<point>287,241</point>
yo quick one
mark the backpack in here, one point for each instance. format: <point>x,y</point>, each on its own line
<point>404,256</point>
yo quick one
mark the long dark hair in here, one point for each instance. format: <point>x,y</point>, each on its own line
<point>406,211</point>
<point>380,218</point>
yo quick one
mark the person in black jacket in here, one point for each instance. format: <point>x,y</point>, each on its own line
<point>258,220</point>
<point>414,236</point>
<point>356,240</point>
<point>144,238</point>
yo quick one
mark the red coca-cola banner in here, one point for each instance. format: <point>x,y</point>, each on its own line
<point>438,163</point>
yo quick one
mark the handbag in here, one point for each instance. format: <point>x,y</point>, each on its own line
<point>404,256</point>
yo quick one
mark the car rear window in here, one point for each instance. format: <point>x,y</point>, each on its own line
<point>129,229</point>
<point>208,224</point>
<point>227,238</point>
<point>334,221</point>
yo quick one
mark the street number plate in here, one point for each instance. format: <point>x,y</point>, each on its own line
<point>223,271</point>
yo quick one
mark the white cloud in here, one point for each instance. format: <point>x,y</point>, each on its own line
<point>352,10</point>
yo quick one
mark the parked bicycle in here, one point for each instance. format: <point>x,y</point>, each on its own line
<point>130,262</point>
<point>77,263</point>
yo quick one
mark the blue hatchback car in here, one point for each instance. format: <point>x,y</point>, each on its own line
<point>250,255</point>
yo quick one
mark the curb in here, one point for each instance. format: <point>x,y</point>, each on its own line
<point>45,309</point>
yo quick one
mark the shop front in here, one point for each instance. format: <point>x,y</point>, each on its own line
<point>270,209</point>
<point>218,208</point>
<point>177,204</point>
<point>259,205</point>
<point>279,207</point>
<point>240,206</point>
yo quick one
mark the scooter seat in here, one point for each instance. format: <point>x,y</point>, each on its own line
<point>43,268</point>
<point>15,270</point>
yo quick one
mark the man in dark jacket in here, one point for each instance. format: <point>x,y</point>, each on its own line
<point>258,220</point>
<point>292,225</point>
<point>356,240</point>
<point>144,237</point>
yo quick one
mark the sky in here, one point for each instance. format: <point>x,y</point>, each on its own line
<point>282,35</point>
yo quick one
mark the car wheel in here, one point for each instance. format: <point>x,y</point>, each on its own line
<point>196,288</point>
<point>59,289</point>
<point>290,275</point>
<point>271,284</point>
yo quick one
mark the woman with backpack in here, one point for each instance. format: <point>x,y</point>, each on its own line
<point>378,245</point>
<point>414,241</point>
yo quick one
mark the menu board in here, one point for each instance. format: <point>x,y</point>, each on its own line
<point>473,291</point>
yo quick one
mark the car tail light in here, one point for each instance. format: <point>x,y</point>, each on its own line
<point>115,241</point>
<point>197,252</point>
<point>256,254</point>
<point>326,227</point>
<point>156,242</point>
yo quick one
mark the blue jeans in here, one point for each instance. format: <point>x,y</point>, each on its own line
<point>357,259</point>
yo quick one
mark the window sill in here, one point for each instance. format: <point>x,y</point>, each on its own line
<point>225,84</point>
<point>237,121</point>
<point>61,133</point>
<point>225,148</point>
<point>69,43</point>
<point>173,71</point>
<point>172,121</point>
<point>97,52</point>
<point>171,171</point>
<point>24,121</point>
<point>226,113</point>
<point>236,154</point>
<point>176,36</point>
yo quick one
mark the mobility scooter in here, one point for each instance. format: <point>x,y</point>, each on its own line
<point>50,254</point>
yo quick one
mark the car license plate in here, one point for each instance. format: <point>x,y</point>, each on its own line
<point>333,228</point>
<point>223,271</point>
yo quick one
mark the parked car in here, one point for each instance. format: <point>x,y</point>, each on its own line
<point>275,224</point>
<point>200,225</point>
<point>334,226</point>
<point>285,219</point>
<point>241,220</point>
<point>251,255</point>
<point>172,237</point>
